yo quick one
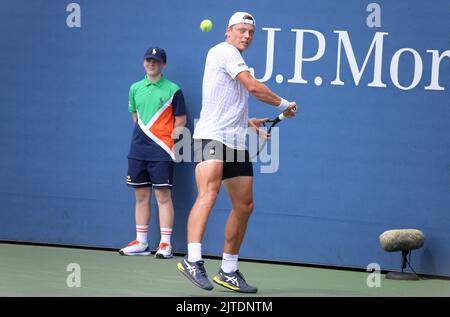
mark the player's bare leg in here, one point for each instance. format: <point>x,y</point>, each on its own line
<point>208,176</point>
<point>240,191</point>
<point>142,210</point>
<point>142,214</point>
<point>166,218</point>
<point>165,207</point>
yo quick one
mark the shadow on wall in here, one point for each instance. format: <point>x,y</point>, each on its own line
<point>426,259</point>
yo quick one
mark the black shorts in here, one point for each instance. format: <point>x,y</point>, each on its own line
<point>147,173</point>
<point>235,162</point>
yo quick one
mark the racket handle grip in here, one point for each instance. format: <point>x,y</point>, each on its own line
<point>282,117</point>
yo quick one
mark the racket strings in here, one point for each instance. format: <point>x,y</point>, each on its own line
<point>263,144</point>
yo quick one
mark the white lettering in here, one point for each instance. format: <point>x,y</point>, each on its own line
<point>270,53</point>
<point>374,18</point>
<point>299,59</point>
<point>357,74</point>
<point>74,278</point>
<point>374,279</point>
<point>435,65</point>
<point>417,68</point>
<point>74,18</point>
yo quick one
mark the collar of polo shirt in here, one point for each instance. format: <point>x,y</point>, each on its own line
<point>158,83</point>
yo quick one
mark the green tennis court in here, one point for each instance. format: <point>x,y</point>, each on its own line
<point>30,270</point>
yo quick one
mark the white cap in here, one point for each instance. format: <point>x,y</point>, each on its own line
<point>241,17</point>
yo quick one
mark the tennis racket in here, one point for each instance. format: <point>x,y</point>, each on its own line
<point>273,122</point>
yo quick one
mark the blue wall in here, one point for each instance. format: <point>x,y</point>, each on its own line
<point>357,160</point>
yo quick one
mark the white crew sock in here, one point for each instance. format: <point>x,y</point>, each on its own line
<point>166,234</point>
<point>142,233</point>
<point>229,263</point>
<point>194,252</point>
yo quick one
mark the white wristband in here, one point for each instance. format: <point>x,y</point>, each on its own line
<point>283,105</point>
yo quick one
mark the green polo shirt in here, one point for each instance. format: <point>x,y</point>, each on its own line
<point>156,105</point>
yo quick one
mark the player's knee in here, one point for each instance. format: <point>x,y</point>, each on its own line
<point>163,196</point>
<point>209,197</point>
<point>142,195</point>
<point>245,208</point>
<point>251,206</point>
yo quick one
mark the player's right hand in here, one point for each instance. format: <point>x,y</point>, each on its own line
<point>291,110</point>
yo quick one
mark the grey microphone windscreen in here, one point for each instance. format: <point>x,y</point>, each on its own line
<point>402,239</point>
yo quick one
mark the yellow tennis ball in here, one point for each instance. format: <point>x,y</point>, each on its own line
<point>206,25</point>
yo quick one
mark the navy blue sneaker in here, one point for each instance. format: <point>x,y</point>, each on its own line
<point>195,272</point>
<point>234,281</point>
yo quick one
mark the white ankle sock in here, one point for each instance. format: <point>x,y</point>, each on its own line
<point>166,234</point>
<point>194,252</point>
<point>142,233</point>
<point>229,263</point>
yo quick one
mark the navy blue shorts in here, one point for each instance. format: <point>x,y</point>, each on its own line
<point>148,173</point>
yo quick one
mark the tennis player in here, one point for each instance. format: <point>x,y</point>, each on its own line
<point>220,134</point>
<point>157,108</point>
